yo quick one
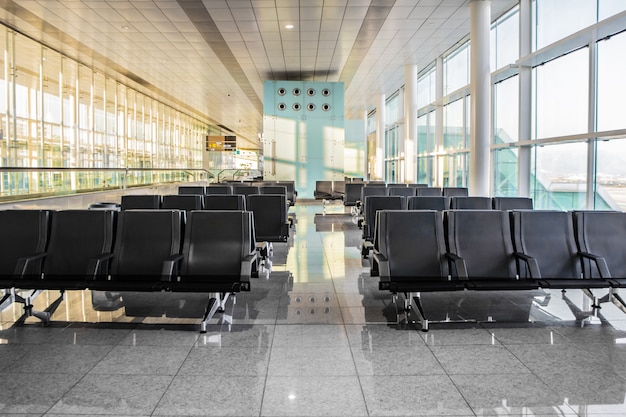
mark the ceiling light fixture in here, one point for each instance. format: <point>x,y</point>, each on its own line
<point>290,26</point>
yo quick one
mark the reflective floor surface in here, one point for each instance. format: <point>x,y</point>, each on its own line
<point>315,338</point>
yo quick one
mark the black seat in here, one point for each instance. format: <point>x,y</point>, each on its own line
<point>146,250</point>
<point>376,189</point>
<point>481,250</point>
<point>182,202</point>
<point>270,216</point>
<point>470,203</point>
<point>601,236</point>
<point>455,192</point>
<point>218,253</point>
<point>323,190</point>
<point>273,189</point>
<point>401,190</point>
<point>548,237</point>
<point>512,203</point>
<point>224,202</point>
<point>292,194</point>
<point>428,192</point>
<point>191,189</point>
<point>218,189</point>
<point>141,202</point>
<point>352,193</point>
<point>22,244</point>
<point>373,204</point>
<point>439,203</point>
<point>80,245</point>
<point>245,189</point>
<point>411,255</point>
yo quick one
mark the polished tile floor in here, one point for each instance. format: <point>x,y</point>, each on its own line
<point>315,338</point>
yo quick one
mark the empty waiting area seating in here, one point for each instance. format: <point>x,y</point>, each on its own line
<point>218,189</point>
<point>191,189</point>
<point>439,203</point>
<point>470,203</point>
<point>512,203</point>
<point>270,216</point>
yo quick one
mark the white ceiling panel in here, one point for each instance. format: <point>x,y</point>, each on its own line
<point>210,57</point>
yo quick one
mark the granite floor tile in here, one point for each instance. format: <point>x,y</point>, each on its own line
<point>114,395</point>
<point>311,361</point>
<point>159,337</point>
<point>31,393</point>
<point>56,359</point>
<point>191,395</point>
<point>478,359</point>
<point>226,361</point>
<point>396,360</point>
<point>313,396</point>
<point>516,395</point>
<point>142,360</point>
<point>424,395</point>
<point>299,335</point>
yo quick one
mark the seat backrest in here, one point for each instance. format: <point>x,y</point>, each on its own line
<point>291,189</point>
<point>141,202</point>
<point>439,203</point>
<point>225,202</point>
<point>512,203</point>
<point>144,240</point>
<point>403,191</point>
<point>602,233</point>
<point>273,189</point>
<point>353,193</point>
<point>182,202</point>
<point>323,189</point>
<point>245,189</point>
<point>413,242</point>
<point>191,189</point>
<point>373,190</point>
<point>215,244</point>
<point>455,191</point>
<point>24,233</point>
<point>483,239</point>
<point>219,189</point>
<point>547,236</point>
<point>270,216</point>
<point>428,192</point>
<point>76,238</point>
<point>375,203</point>
<point>470,203</point>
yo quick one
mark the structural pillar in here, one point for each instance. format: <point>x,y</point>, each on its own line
<point>480,103</point>
<point>410,122</point>
<point>525,101</point>
<point>379,173</point>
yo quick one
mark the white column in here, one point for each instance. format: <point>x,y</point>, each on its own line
<point>366,156</point>
<point>379,166</point>
<point>410,122</point>
<point>525,94</point>
<point>480,90</point>
<point>439,159</point>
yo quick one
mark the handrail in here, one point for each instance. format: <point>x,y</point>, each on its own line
<point>36,181</point>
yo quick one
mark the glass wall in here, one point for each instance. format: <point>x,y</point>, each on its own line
<point>58,113</point>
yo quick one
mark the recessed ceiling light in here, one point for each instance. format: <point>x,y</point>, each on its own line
<point>288,26</point>
<point>124,27</point>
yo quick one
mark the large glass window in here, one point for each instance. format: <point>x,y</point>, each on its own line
<point>456,69</point>
<point>426,88</point>
<point>556,19</point>
<point>610,190</point>
<point>611,85</point>
<point>559,176</point>
<point>504,38</point>
<point>57,113</point>
<point>506,111</point>
<point>454,132</point>
<point>561,95</point>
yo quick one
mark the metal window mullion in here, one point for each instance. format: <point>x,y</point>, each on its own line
<point>592,127</point>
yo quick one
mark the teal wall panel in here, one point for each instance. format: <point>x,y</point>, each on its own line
<point>303,131</point>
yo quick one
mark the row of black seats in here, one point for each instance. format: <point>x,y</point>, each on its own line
<point>153,250</point>
<point>374,203</point>
<point>356,193</point>
<point>427,250</point>
<point>270,210</point>
<point>245,188</point>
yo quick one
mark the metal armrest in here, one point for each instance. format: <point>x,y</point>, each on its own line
<point>246,267</point>
<point>24,264</point>
<point>170,267</point>
<point>533,266</point>
<point>600,262</point>
<point>383,266</point>
<point>99,266</point>
<point>459,263</point>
